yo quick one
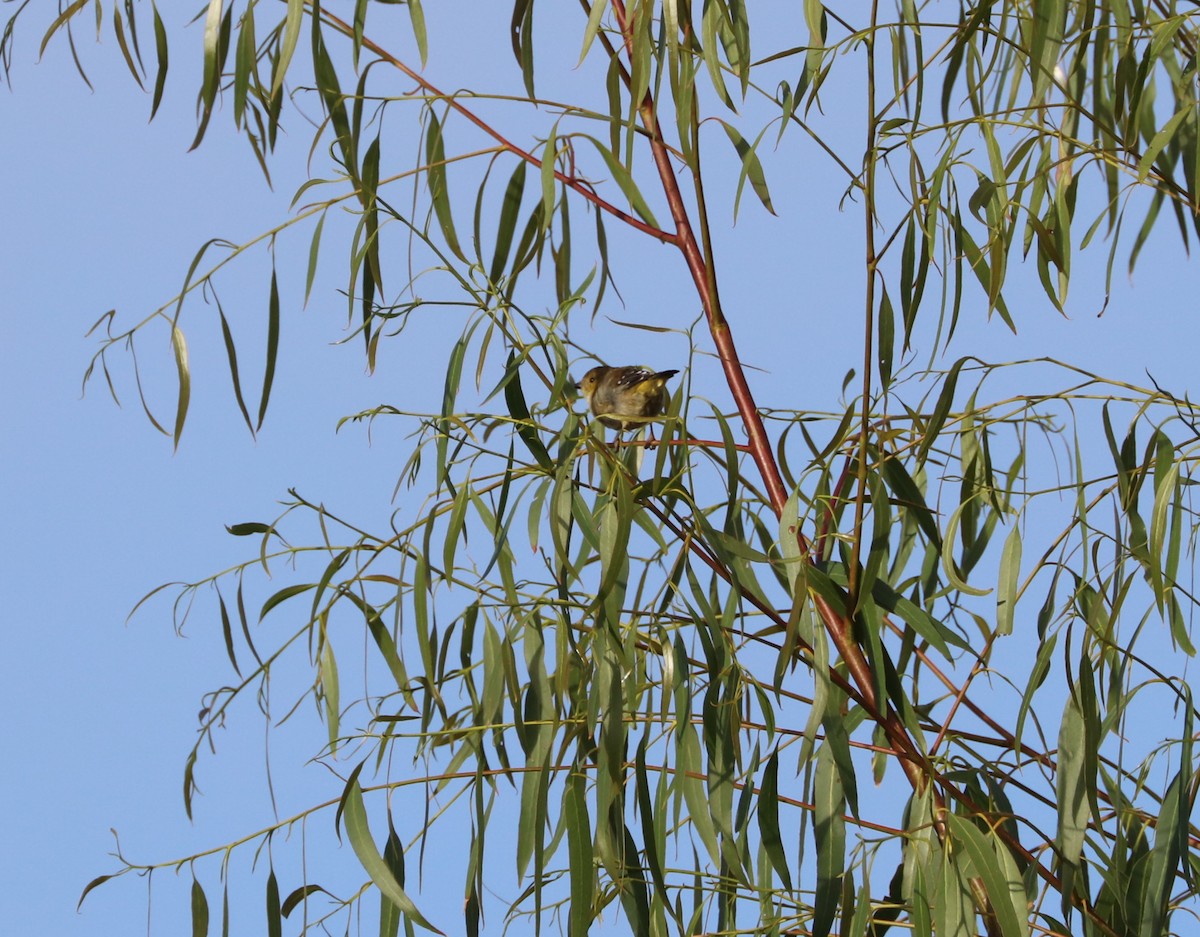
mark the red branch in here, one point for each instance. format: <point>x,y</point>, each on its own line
<point>836,623</point>
<point>693,255</point>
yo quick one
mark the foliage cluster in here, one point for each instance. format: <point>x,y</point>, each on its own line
<point>750,676</point>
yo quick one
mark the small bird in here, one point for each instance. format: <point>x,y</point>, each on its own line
<point>626,398</point>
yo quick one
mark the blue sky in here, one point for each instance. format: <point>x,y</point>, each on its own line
<point>103,210</point>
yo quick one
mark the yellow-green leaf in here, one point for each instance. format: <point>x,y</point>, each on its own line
<point>291,34</point>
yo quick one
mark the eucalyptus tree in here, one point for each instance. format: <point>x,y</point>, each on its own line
<point>754,669</point>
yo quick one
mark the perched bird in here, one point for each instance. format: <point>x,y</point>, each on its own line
<point>626,398</point>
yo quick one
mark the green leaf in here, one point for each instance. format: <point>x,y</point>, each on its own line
<point>184,374</point>
<point>624,181</point>
<point>1160,140</point>
<point>1010,574</point>
<point>449,395</point>
<point>359,834</point>
<point>837,741</point>
<point>1049,20</point>
<point>932,430</point>
<point>330,689</point>
<point>281,596</point>
<point>830,834</point>
<point>910,498</point>
<point>952,904</point>
<point>212,32</point>
<point>518,409</point>
<point>592,27</point>
<point>231,357</point>
<point>751,168</point>
<point>212,68</point>
<point>249,529</point>
<point>199,910</point>
<point>245,63</point>
<point>521,31</point>
<point>291,35</point>
<point>653,817</point>
<point>64,17</point>
<point>314,249</point>
<point>435,178</point>
<point>1005,893</point>
<point>161,51</point>
<point>227,633</point>
<point>335,103</point>
<point>929,628</point>
<point>1071,785</point>
<point>689,771</point>
<point>768,820</point>
<point>274,917</point>
<point>549,158</point>
<point>886,351</point>
<point>454,528</point>
<point>384,642</point>
<point>616,523</point>
<point>417,15</point>
<point>294,900</point>
<point>880,541</point>
<point>949,567</point>
<point>123,44</point>
<point>509,213</point>
<point>1165,855</point>
<point>272,352</point>
<point>579,848</point>
<point>710,46</point>
<point>393,857</point>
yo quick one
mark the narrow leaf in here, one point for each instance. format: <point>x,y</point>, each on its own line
<point>1000,889</point>
<point>272,348</point>
<point>199,910</point>
<point>751,169</point>
<point>292,901</point>
<point>179,346</point>
<point>1010,573</point>
<point>274,916</point>
<point>549,158</point>
<point>768,820</point>
<point>417,15</point>
<point>830,834</point>
<point>359,834</point>
<point>625,181</point>
<point>291,34</point>
<point>435,177</point>
<point>1070,784</point>
<point>161,51</point>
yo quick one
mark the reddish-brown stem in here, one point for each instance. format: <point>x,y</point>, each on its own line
<point>693,255</point>
<point>685,239</point>
<point>961,694</point>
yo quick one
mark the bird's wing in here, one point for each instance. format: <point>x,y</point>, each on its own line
<point>630,377</point>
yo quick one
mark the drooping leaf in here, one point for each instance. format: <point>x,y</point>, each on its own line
<point>752,168</point>
<point>359,834</point>
<point>199,910</point>
<point>830,834</point>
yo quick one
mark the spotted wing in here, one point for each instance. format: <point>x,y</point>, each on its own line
<point>632,376</point>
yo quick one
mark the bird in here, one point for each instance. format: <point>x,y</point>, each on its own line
<point>626,398</point>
